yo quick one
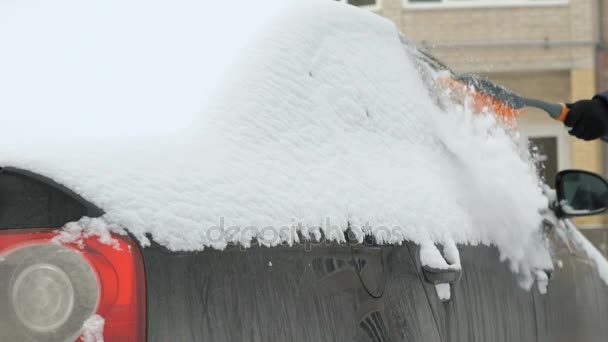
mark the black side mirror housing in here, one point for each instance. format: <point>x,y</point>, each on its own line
<point>580,193</point>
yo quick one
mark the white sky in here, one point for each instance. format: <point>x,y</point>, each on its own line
<point>111,65</point>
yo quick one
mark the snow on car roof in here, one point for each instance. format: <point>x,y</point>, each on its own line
<point>184,123</point>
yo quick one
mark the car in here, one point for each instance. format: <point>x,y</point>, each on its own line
<point>415,218</point>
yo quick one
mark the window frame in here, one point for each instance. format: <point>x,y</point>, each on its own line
<point>552,131</point>
<point>377,6</point>
<point>557,154</point>
<point>447,4</point>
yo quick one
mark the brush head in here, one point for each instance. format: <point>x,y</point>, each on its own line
<point>493,90</point>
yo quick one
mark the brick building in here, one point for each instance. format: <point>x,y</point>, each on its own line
<point>549,49</point>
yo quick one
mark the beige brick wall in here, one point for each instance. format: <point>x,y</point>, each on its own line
<point>483,30</point>
<point>549,85</point>
<point>605,15</point>
<point>604,59</point>
<point>586,155</point>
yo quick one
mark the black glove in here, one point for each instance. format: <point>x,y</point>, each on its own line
<point>588,119</point>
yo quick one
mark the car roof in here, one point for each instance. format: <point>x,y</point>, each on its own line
<point>322,123</point>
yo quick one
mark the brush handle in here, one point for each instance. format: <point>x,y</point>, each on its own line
<point>557,111</point>
<point>563,114</point>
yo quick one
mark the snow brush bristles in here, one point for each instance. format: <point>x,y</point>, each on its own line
<point>488,96</point>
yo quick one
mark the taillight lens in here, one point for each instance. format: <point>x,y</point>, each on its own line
<point>48,290</point>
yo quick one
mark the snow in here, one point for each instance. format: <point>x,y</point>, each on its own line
<point>571,211</point>
<point>92,329</point>
<point>450,260</point>
<point>76,232</point>
<point>443,292</point>
<point>542,280</point>
<point>289,115</point>
<point>593,253</point>
<point>432,257</point>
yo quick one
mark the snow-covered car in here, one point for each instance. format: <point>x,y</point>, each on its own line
<point>313,180</point>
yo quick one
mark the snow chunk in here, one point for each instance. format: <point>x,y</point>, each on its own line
<point>76,232</point>
<point>443,292</point>
<point>92,329</point>
<point>542,281</point>
<point>431,256</point>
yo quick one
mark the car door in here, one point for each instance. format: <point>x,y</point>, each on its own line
<point>408,312</point>
<point>316,292</point>
<point>575,305</point>
<point>486,304</point>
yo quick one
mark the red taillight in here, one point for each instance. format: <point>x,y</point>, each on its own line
<point>48,290</point>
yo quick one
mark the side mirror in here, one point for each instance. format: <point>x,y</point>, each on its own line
<point>580,193</point>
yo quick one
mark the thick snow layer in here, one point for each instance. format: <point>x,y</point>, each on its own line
<point>185,122</point>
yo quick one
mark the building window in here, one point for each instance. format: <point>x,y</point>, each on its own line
<point>361,3</point>
<point>544,151</point>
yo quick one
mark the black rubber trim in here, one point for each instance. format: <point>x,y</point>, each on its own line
<point>92,209</point>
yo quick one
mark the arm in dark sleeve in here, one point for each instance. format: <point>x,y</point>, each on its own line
<point>603,96</point>
<point>588,118</point>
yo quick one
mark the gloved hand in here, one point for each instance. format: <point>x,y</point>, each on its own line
<point>588,119</point>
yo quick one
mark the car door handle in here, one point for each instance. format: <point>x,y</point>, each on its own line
<point>441,276</point>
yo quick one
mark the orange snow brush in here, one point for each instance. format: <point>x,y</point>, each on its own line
<point>490,96</point>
